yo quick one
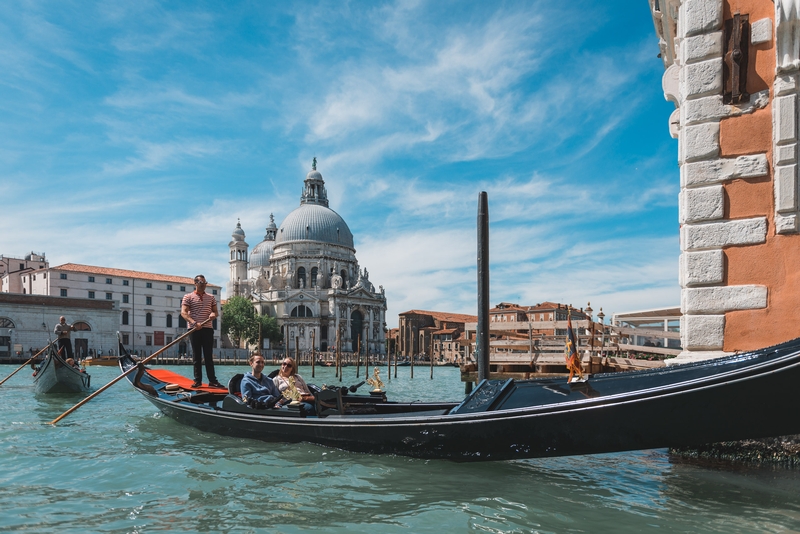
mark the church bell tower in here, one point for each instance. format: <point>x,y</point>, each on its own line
<point>238,262</point>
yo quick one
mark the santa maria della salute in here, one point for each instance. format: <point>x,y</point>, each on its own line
<point>306,275</point>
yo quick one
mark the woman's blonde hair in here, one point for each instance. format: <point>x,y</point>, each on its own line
<point>294,365</point>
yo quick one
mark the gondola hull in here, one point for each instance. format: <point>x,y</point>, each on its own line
<point>54,375</point>
<point>739,397</point>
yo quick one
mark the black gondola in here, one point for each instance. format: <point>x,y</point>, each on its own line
<point>731,398</point>
<point>737,397</point>
<point>55,375</point>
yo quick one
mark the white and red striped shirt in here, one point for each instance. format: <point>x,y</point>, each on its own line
<point>200,307</point>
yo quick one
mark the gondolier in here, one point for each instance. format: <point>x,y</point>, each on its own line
<point>62,331</point>
<point>200,309</point>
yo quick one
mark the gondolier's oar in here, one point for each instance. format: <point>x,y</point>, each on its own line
<point>123,375</point>
<point>26,363</point>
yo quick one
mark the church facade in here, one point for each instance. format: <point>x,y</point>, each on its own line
<point>306,275</point>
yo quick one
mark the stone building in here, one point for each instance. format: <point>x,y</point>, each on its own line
<point>733,73</point>
<point>27,322</point>
<point>554,311</point>
<point>306,275</point>
<point>430,333</point>
<point>12,269</point>
<point>147,305</point>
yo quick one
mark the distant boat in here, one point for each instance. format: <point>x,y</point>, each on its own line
<point>55,375</point>
<point>726,399</point>
<point>106,361</point>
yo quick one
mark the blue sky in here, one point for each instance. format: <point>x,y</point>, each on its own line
<point>135,134</point>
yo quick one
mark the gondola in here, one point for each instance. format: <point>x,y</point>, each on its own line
<point>55,375</point>
<point>731,398</point>
<point>105,361</point>
<point>743,396</point>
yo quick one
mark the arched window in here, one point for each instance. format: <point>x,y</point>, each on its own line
<point>301,277</point>
<point>82,326</point>
<point>302,311</point>
<point>148,319</point>
<point>181,322</point>
<point>125,318</point>
<point>344,279</point>
<point>169,320</point>
<point>5,322</point>
<point>313,277</point>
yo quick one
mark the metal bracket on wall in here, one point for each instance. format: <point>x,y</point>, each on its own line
<point>737,39</point>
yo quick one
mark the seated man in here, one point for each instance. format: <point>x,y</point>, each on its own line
<point>258,388</point>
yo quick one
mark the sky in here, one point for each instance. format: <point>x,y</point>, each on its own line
<point>136,134</point>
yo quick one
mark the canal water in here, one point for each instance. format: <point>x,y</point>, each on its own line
<point>116,465</point>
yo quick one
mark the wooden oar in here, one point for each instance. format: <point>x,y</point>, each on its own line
<point>123,375</point>
<point>26,363</point>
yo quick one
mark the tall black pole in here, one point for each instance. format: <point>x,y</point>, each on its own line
<point>483,287</point>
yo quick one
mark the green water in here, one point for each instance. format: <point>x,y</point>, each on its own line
<point>116,465</point>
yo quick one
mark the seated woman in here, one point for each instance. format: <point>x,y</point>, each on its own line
<point>289,370</point>
<point>258,387</point>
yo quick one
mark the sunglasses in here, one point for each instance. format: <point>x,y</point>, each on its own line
<point>286,364</point>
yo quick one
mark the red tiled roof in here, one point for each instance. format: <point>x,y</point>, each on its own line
<point>445,316</point>
<point>508,309</point>
<point>547,306</point>
<point>446,331</point>
<point>108,271</point>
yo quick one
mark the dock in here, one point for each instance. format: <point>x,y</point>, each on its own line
<point>535,349</point>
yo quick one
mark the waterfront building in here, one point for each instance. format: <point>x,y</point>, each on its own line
<point>11,270</point>
<point>554,311</point>
<point>147,305</point>
<point>732,70</point>
<point>306,275</point>
<point>27,322</point>
<point>507,312</point>
<point>432,334</point>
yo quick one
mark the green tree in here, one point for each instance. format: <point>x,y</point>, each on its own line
<point>238,319</point>
<point>269,329</point>
<point>241,322</point>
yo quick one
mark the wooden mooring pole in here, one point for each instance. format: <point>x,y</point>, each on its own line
<point>482,341</point>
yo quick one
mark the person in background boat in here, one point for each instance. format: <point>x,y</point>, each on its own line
<point>200,309</point>
<point>288,370</point>
<point>62,331</point>
<point>257,388</point>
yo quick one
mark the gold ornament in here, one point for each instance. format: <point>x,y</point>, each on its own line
<point>291,392</point>
<point>375,381</point>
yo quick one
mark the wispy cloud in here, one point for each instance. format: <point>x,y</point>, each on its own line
<point>143,131</point>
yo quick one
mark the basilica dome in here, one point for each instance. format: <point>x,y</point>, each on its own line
<point>315,222</point>
<point>261,253</point>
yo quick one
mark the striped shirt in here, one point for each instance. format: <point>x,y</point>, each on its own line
<point>200,307</point>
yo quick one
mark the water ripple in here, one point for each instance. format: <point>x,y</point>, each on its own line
<point>118,466</point>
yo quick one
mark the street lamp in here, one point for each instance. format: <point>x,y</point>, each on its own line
<point>602,316</point>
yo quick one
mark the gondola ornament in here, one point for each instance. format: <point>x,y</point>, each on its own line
<point>573,360</point>
<point>376,381</point>
<point>292,393</point>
